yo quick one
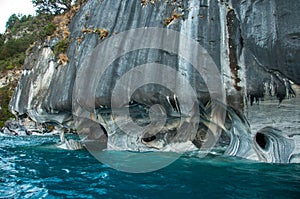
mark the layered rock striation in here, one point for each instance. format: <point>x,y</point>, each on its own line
<point>254,44</point>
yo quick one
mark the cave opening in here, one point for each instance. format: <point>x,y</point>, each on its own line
<point>149,139</point>
<point>261,140</point>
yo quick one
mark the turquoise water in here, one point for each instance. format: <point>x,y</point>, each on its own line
<point>32,167</point>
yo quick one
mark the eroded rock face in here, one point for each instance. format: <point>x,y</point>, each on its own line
<point>252,40</point>
<point>254,44</point>
<point>270,39</point>
<point>272,145</point>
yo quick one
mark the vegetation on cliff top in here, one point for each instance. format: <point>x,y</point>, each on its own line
<point>21,32</point>
<point>54,7</point>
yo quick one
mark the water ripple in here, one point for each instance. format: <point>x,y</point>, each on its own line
<point>33,167</point>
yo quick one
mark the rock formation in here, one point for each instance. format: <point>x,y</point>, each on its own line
<point>250,41</point>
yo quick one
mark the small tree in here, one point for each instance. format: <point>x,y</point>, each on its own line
<point>52,6</point>
<point>12,20</point>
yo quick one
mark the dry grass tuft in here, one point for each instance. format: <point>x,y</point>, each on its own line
<point>63,59</point>
<point>175,16</point>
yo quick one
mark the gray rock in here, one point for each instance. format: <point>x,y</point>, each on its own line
<point>250,36</point>
<point>272,145</point>
<point>6,131</point>
<point>253,46</point>
<point>68,144</point>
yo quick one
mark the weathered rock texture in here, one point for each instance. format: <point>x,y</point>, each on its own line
<point>254,43</point>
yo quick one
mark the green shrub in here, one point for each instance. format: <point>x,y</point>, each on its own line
<point>10,63</point>
<point>60,47</point>
<point>10,67</point>
<point>6,94</point>
<point>49,29</point>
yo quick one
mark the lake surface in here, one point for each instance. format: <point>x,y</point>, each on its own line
<point>32,167</point>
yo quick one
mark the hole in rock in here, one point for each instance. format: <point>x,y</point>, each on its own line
<point>149,139</point>
<point>261,140</point>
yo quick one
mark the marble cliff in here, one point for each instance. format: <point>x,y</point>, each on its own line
<point>255,45</point>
